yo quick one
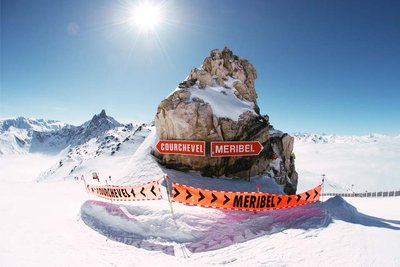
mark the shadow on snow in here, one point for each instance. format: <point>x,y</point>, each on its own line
<point>204,231</point>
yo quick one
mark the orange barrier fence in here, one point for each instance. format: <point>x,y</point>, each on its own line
<point>250,201</point>
<point>148,191</point>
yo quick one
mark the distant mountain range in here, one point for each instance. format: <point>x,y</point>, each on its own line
<point>104,141</point>
<point>16,135</point>
<point>338,139</point>
<point>73,147</point>
<point>38,125</point>
<point>23,135</point>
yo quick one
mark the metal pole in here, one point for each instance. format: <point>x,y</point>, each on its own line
<point>322,187</point>
<point>169,194</point>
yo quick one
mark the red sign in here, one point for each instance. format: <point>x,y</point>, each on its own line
<point>181,147</point>
<point>236,148</point>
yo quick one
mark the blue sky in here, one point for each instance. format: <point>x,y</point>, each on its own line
<point>323,66</point>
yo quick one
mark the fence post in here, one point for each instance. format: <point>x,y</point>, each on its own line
<point>322,187</point>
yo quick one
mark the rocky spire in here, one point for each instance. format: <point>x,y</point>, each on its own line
<point>218,102</point>
<point>103,113</point>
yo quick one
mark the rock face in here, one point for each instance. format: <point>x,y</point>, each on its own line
<point>218,102</point>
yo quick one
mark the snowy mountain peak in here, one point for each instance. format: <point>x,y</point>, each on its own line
<point>29,124</point>
<point>102,122</point>
<point>101,115</point>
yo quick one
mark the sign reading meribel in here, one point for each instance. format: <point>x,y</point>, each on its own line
<point>235,148</point>
<point>250,201</point>
<point>181,147</point>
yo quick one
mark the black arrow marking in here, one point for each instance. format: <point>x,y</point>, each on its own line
<point>177,193</point>
<point>133,193</point>
<point>226,199</point>
<point>308,195</point>
<point>279,200</point>
<point>201,196</point>
<point>152,190</point>
<point>316,193</point>
<point>298,198</point>
<point>214,198</point>
<point>188,194</point>
<point>288,200</point>
<point>141,192</point>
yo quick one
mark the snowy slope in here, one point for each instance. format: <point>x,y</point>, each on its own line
<point>205,230</point>
<point>41,226</point>
<point>358,163</point>
<point>108,155</point>
<point>14,141</point>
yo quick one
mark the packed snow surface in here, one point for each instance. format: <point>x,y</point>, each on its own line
<point>203,231</point>
<point>42,226</point>
<point>56,223</point>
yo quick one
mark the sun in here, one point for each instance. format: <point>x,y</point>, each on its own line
<point>147,16</point>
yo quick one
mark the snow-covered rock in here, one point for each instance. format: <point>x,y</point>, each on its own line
<point>218,102</point>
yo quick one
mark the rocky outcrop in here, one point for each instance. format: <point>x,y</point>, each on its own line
<point>218,102</point>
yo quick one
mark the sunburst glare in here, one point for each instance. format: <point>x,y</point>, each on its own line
<point>147,16</point>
